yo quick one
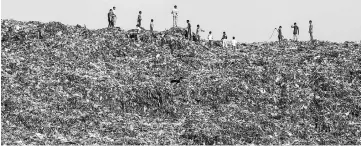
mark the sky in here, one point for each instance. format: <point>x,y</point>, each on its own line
<point>247,20</point>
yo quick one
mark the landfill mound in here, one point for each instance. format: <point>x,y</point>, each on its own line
<point>108,86</point>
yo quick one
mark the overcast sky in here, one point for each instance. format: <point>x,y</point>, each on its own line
<point>247,20</point>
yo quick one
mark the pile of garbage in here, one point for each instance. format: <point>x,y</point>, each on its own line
<point>89,85</point>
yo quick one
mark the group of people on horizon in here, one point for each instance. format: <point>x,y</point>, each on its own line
<point>296,32</point>
<point>196,37</point>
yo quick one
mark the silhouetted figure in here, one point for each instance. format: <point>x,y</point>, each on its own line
<point>139,20</point>
<point>280,36</point>
<point>210,38</point>
<point>189,30</point>
<point>151,25</point>
<point>296,31</point>
<point>224,40</point>
<point>310,30</point>
<point>110,18</point>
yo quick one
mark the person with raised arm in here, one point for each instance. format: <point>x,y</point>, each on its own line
<point>197,33</point>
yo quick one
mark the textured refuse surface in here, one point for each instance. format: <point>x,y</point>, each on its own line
<point>81,86</point>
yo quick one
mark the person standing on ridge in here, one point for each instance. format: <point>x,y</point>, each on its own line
<point>197,33</point>
<point>234,44</point>
<point>310,30</point>
<point>210,38</point>
<point>110,18</point>
<point>296,31</point>
<point>151,25</point>
<point>152,28</point>
<point>139,20</point>
<point>280,36</point>
<point>189,30</point>
<point>175,16</point>
<point>114,18</point>
<point>224,40</point>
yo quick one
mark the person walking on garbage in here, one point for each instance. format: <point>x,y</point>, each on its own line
<point>234,43</point>
<point>197,33</point>
<point>280,36</point>
<point>189,30</point>
<point>310,30</point>
<point>175,16</point>
<point>114,18</point>
<point>139,20</point>
<point>210,38</point>
<point>224,40</point>
<point>296,31</point>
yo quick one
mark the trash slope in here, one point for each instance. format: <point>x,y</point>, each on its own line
<point>81,86</point>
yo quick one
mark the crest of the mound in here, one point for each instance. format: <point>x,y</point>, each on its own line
<point>57,29</point>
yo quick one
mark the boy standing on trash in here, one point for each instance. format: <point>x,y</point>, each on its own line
<point>310,30</point>
<point>296,31</point>
<point>139,20</point>
<point>197,33</point>
<point>224,40</point>
<point>175,16</point>
<point>280,36</point>
<point>189,30</point>
<point>234,43</point>
<point>210,38</point>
